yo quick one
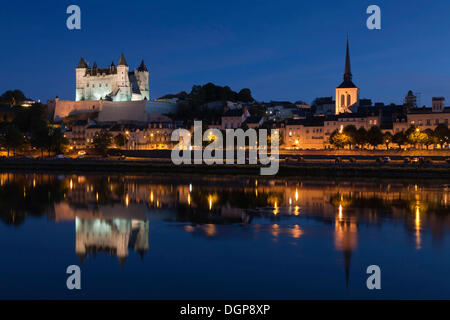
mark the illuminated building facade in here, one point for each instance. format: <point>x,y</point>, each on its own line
<point>114,83</point>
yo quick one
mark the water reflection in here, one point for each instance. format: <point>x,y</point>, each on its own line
<point>112,236</point>
<point>112,213</point>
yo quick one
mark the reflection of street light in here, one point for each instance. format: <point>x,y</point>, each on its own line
<point>275,209</point>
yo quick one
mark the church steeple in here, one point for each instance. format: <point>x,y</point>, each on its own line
<point>347,83</point>
<point>347,72</point>
<point>347,94</point>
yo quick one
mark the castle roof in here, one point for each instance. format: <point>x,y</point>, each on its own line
<point>82,63</point>
<point>122,61</point>
<point>233,113</point>
<point>309,122</point>
<point>142,67</point>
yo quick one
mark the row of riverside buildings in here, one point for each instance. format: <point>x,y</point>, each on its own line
<point>117,100</point>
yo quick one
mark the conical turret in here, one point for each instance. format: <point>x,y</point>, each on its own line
<point>122,61</point>
<point>82,63</point>
<point>142,66</point>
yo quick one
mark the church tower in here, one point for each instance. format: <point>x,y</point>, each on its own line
<point>347,94</point>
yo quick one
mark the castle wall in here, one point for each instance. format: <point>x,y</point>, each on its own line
<point>160,107</point>
<point>64,108</point>
<point>122,111</point>
<point>95,87</point>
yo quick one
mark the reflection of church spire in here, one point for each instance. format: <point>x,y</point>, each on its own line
<point>347,260</point>
<point>345,239</point>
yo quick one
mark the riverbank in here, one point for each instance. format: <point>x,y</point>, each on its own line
<point>287,169</point>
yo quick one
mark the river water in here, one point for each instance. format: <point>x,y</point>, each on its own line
<point>218,237</point>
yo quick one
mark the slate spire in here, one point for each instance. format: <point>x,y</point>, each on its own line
<point>142,67</point>
<point>122,61</point>
<point>82,63</point>
<point>347,72</point>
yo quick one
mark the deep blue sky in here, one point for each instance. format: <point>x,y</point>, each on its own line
<point>281,50</point>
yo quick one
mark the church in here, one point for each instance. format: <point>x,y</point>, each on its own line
<point>113,83</point>
<point>347,93</point>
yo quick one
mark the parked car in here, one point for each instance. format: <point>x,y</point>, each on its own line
<point>415,160</point>
<point>386,160</point>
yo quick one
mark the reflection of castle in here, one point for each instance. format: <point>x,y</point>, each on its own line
<point>112,236</point>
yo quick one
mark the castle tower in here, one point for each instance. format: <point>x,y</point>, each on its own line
<point>123,81</point>
<point>80,73</point>
<point>347,94</point>
<point>142,77</point>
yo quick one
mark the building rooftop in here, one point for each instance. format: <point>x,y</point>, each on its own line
<point>233,113</point>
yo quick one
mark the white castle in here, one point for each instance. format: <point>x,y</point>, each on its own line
<point>114,83</point>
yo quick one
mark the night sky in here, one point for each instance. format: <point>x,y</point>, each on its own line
<point>281,50</point>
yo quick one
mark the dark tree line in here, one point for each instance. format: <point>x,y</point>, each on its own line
<point>12,98</point>
<point>29,128</point>
<point>195,104</point>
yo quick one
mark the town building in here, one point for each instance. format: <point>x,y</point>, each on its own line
<point>233,118</point>
<point>304,134</point>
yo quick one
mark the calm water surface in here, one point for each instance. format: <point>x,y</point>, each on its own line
<point>217,237</point>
